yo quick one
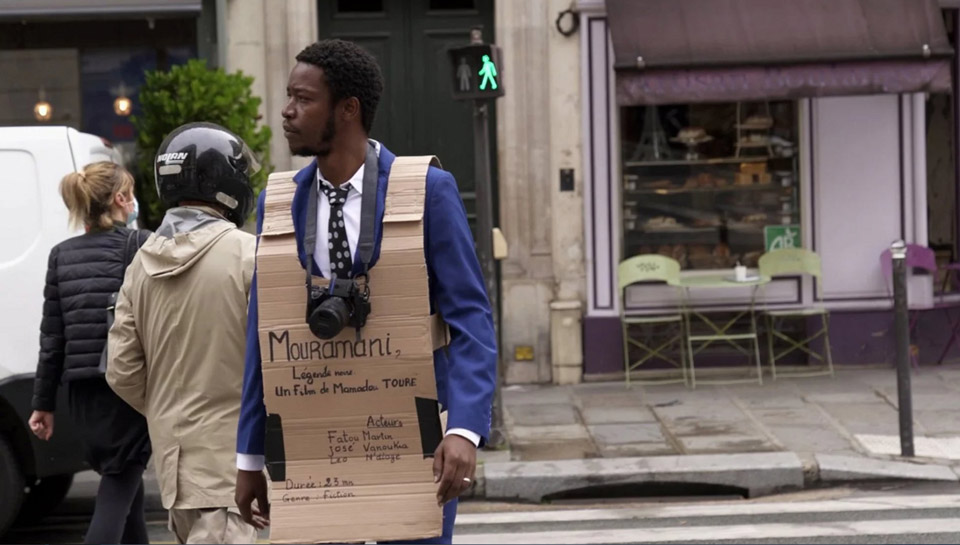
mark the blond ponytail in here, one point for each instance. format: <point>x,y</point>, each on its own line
<point>89,194</point>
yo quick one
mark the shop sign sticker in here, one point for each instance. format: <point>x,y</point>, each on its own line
<point>779,237</point>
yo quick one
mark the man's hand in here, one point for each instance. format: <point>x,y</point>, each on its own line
<point>454,467</point>
<point>252,485</point>
<point>41,424</point>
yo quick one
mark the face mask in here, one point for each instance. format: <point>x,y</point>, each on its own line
<point>132,216</point>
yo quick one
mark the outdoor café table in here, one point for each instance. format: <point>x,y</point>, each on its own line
<point>720,330</point>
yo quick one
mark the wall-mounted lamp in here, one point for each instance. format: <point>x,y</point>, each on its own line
<point>42,110</point>
<point>122,105</point>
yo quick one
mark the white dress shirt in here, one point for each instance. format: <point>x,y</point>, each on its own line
<point>351,222</point>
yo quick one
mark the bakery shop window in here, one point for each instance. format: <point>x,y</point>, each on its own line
<point>710,185</point>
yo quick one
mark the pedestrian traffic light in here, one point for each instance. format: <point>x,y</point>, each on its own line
<point>476,72</point>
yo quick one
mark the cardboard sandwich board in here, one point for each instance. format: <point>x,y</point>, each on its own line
<point>352,424</point>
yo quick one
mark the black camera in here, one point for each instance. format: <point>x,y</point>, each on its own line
<point>331,309</point>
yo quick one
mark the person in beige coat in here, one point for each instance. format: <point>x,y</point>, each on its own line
<point>176,348</point>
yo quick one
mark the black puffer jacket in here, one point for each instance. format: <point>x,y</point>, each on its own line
<point>81,274</point>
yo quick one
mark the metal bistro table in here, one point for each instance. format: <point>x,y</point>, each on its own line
<point>721,331</point>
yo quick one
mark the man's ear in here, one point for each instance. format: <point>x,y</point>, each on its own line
<point>351,108</point>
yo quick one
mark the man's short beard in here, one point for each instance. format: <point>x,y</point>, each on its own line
<point>326,142</point>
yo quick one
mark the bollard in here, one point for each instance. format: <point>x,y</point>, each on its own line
<point>898,252</point>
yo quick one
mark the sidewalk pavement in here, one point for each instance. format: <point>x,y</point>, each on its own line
<point>807,430</point>
<point>783,434</point>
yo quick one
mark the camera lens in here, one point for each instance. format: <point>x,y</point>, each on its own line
<point>329,318</point>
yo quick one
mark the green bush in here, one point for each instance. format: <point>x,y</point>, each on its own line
<point>188,93</point>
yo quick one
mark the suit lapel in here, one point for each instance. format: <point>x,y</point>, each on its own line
<point>301,197</point>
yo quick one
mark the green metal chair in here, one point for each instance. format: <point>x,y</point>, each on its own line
<point>651,268</point>
<point>793,262</point>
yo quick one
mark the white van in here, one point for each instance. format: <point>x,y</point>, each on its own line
<point>34,475</point>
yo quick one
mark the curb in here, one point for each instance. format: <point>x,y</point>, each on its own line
<point>835,468</point>
<point>758,474</point>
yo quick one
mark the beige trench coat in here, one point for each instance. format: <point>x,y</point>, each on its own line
<point>177,352</point>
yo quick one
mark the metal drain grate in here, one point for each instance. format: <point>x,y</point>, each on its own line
<point>928,447</point>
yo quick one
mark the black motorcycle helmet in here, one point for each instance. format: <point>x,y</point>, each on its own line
<point>206,162</point>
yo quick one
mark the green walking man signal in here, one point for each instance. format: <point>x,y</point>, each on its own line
<point>489,73</point>
<point>476,74</point>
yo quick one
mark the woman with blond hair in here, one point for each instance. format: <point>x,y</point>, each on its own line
<point>83,275</point>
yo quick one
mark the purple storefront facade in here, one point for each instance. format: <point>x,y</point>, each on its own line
<point>874,154</point>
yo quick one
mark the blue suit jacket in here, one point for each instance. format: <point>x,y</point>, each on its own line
<point>466,371</point>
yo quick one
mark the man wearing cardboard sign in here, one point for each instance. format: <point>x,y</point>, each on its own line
<point>321,374</point>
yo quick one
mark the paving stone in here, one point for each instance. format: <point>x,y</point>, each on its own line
<point>636,449</point>
<point>878,379</point>
<point>543,415</point>
<point>870,418</point>
<point>563,450</point>
<point>773,402</point>
<point>930,402</point>
<point>547,434</point>
<point>666,396</point>
<point>822,386</point>
<point>946,448</point>
<point>603,388</point>
<point>870,397</point>
<point>727,443</point>
<point>949,374</point>
<point>613,434</point>
<point>925,383</point>
<point>938,422</point>
<point>723,409</point>
<point>536,395</point>
<point>692,427</point>
<point>614,401</point>
<point>811,438</point>
<point>779,389</point>
<point>617,415</point>
<point>799,416</point>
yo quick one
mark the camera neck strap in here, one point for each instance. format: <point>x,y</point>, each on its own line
<point>368,216</point>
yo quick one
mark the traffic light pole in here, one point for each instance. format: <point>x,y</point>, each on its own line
<point>484,200</point>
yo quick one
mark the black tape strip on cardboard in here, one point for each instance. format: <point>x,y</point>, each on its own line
<point>431,432</point>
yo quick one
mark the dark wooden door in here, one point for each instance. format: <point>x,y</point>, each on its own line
<point>409,38</point>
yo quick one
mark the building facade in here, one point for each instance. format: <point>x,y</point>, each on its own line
<point>836,133</point>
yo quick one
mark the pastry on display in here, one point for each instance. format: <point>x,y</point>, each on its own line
<point>700,256</point>
<point>758,122</point>
<point>752,259</point>
<point>692,135</point>
<point>721,250</point>
<point>661,222</point>
<point>755,218</point>
<point>722,258</point>
<point>666,250</point>
<point>658,184</point>
<point>701,222</point>
<point>705,180</point>
<point>679,253</point>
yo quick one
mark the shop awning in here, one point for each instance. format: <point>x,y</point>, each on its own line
<point>100,8</point>
<point>676,51</point>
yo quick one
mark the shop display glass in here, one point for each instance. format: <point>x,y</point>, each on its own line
<point>710,185</point>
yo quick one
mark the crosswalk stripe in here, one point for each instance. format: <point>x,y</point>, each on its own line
<point>876,503</point>
<point>716,533</point>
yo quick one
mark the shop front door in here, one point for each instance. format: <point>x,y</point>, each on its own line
<point>417,115</point>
